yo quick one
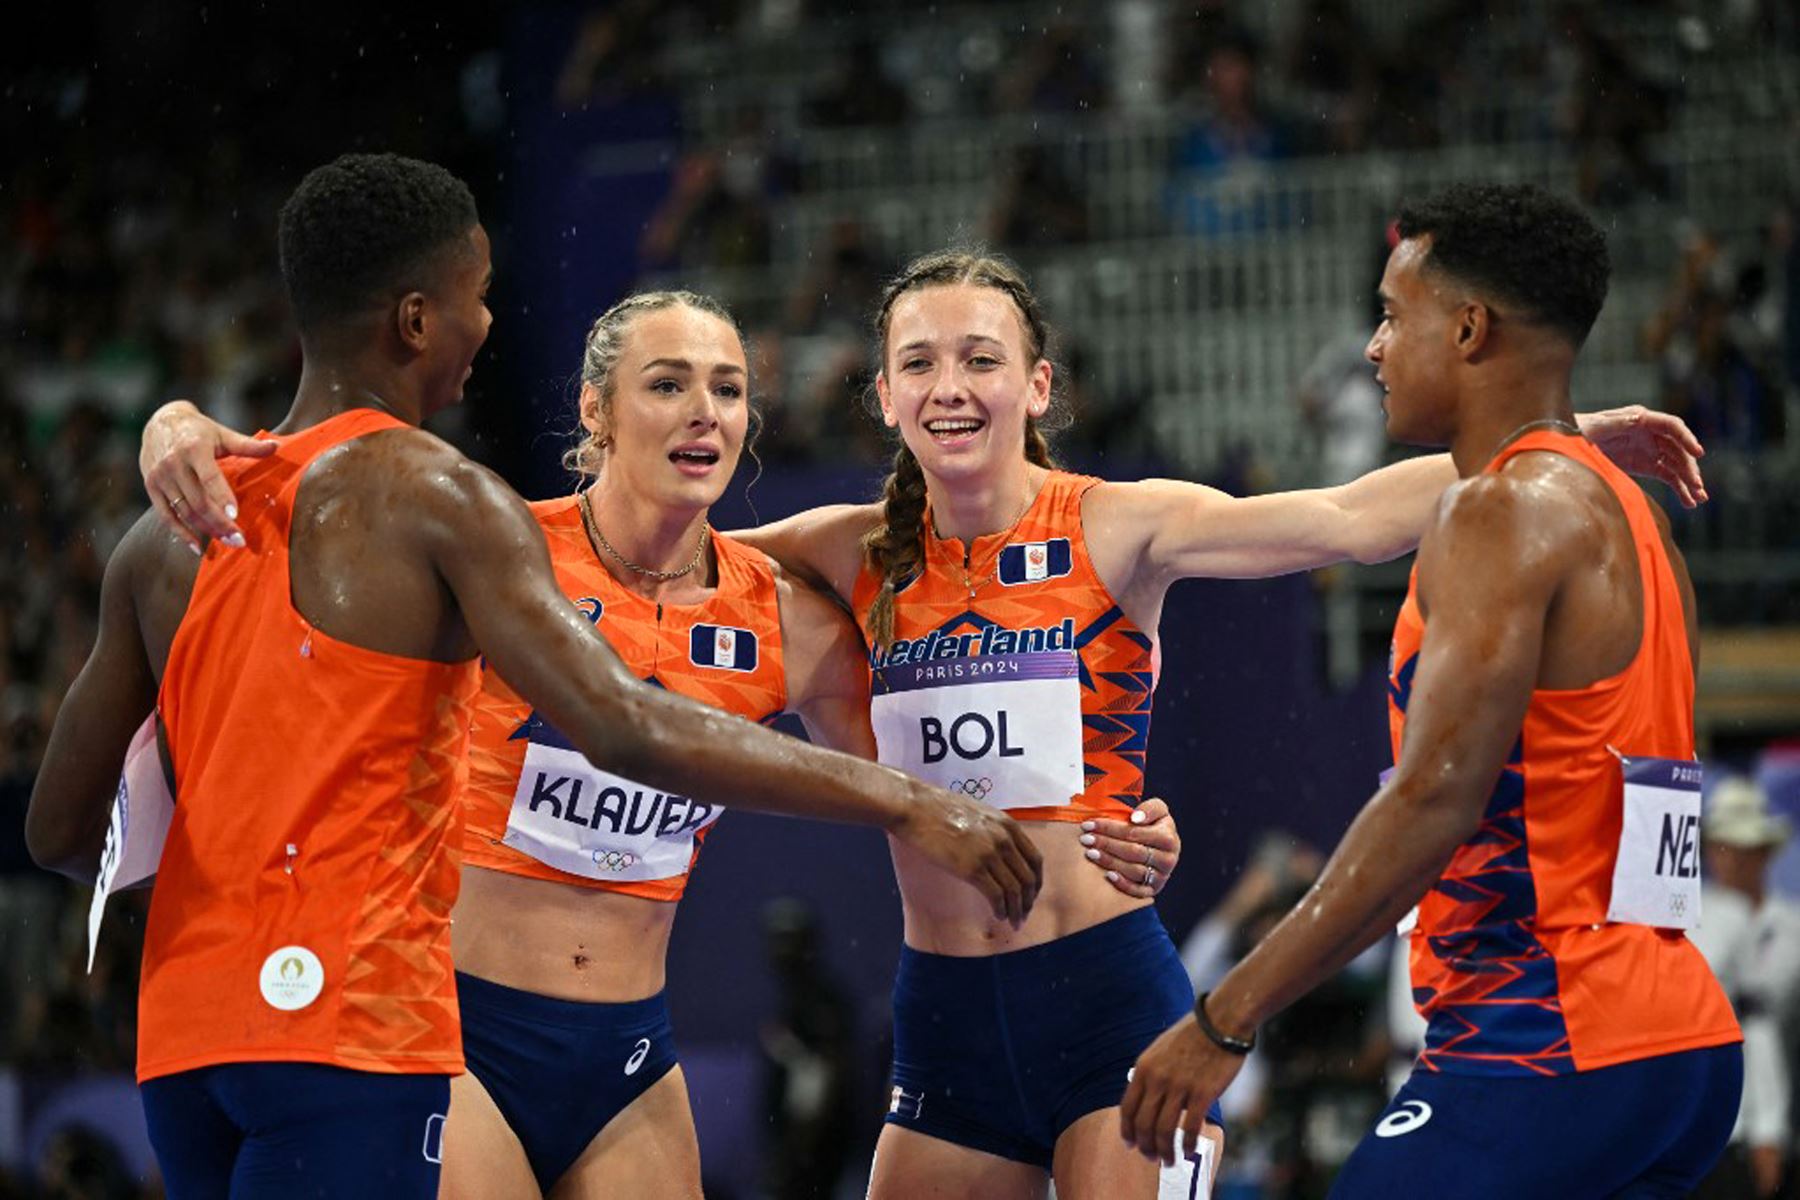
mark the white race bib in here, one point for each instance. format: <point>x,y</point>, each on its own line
<point>1004,729</point>
<point>1191,1177</point>
<point>569,814</point>
<point>141,812</point>
<point>1656,880</point>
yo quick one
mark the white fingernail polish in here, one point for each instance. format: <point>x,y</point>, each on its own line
<point>1112,877</point>
<point>231,512</point>
<point>1093,856</point>
<point>1088,825</point>
<point>1087,839</point>
<point>1137,818</point>
<point>235,540</point>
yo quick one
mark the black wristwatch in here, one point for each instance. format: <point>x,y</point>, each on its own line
<point>1218,1037</point>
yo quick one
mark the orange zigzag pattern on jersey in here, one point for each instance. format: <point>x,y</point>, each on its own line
<point>424,846</point>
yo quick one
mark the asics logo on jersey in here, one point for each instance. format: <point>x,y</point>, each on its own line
<point>1408,1117</point>
<point>613,860</point>
<point>974,789</point>
<point>637,1056</point>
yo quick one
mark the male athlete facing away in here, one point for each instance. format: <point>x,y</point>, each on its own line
<point>1541,704</point>
<point>298,1014</point>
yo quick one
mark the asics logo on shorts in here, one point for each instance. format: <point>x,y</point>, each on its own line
<point>637,1056</point>
<point>974,789</point>
<point>1403,1120</point>
<point>613,860</point>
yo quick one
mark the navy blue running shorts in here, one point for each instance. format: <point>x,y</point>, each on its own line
<point>1002,1053</point>
<point>1635,1131</point>
<point>301,1131</point>
<point>560,1070</point>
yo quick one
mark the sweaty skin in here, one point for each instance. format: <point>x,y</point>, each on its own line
<point>1528,579</point>
<point>402,545</point>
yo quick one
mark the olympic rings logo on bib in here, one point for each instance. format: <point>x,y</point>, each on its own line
<point>614,860</point>
<point>974,789</point>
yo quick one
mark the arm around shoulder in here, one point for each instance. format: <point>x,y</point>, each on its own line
<point>821,546</point>
<point>827,669</point>
<point>1173,529</point>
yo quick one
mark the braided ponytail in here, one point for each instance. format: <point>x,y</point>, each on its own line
<point>896,547</point>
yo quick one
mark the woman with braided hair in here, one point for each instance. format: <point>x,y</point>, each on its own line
<point>572,873</point>
<point>1010,609</point>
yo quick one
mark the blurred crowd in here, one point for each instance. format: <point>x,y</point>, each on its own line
<point>134,269</point>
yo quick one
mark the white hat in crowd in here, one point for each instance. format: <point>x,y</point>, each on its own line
<point>1737,814</point>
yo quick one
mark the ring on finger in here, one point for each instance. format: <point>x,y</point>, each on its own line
<point>1149,877</point>
<point>1149,857</point>
<point>177,501</point>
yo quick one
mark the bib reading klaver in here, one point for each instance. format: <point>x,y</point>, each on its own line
<point>571,815</point>
<point>1004,729</point>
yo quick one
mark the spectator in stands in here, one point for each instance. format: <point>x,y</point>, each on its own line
<point>1037,204</point>
<point>1221,177</point>
<point>842,284</point>
<point>712,216</point>
<point>1056,72</point>
<point>1717,371</point>
<point>614,53</point>
<point>808,1061</point>
<point>859,91</point>
<point>1751,939</point>
<point>1611,111</point>
<point>1316,1078</point>
<point>1331,60</point>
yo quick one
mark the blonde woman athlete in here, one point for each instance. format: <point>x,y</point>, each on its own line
<point>1011,610</point>
<point>572,873</point>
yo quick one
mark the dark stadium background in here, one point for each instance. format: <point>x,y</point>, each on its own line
<point>1201,207</point>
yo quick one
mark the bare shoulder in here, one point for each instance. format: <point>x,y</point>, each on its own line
<point>1538,510</point>
<point>822,546</point>
<point>823,647</point>
<point>808,614</point>
<point>410,475</point>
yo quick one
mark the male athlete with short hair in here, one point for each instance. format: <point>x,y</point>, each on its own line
<point>1541,702</point>
<point>298,1019</point>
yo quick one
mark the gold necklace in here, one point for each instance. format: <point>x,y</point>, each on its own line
<point>593,528</point>
<point>969,581</point>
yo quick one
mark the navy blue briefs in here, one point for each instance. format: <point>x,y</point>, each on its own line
<point>1643,1129</point>
<point>303,1131</point>
<point>1004,1052</point>
<point>560,1070</point>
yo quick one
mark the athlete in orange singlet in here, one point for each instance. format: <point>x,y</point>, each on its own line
<point>563,921</point>
<point>975,506</point>
<point>983,572</point>
<point>298,1022</point>
<point>1546,792</point>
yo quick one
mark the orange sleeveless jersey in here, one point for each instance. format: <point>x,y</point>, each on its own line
<point>302,907</point>
<point>948,612</point>
<point>1514,964</point>
<point>672,646</point>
